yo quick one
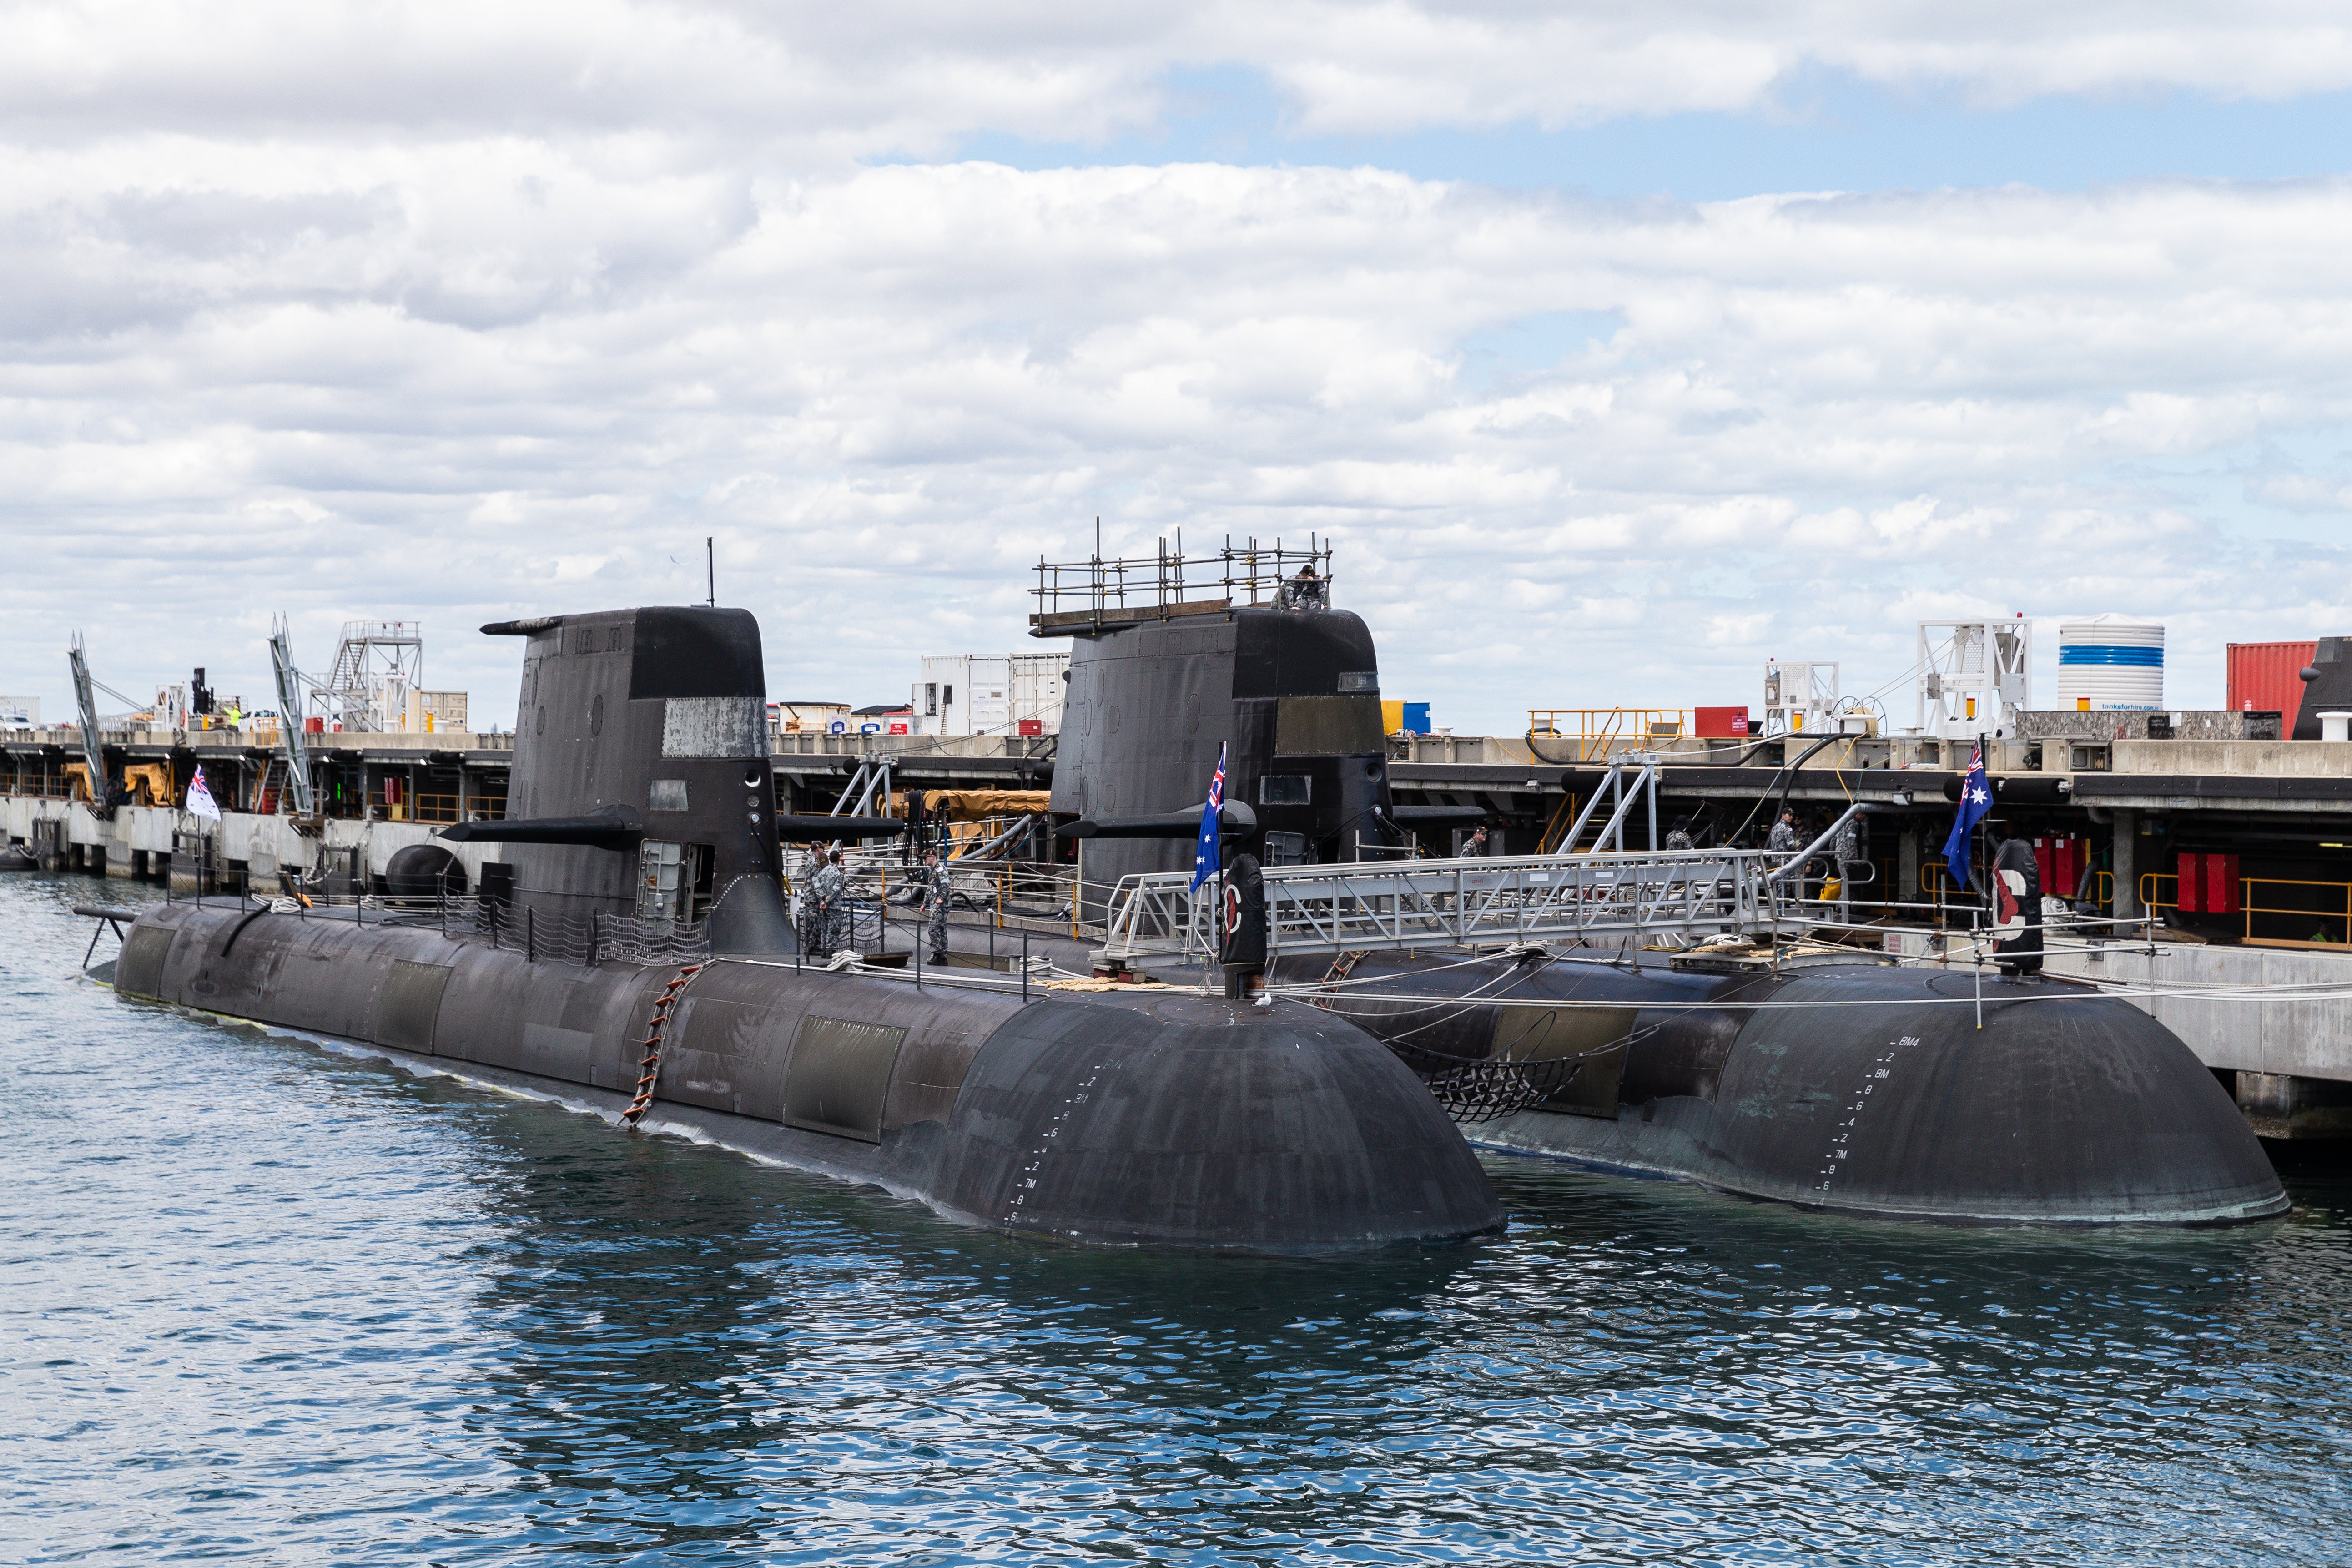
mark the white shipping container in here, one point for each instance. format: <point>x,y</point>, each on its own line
<point>983,694</point>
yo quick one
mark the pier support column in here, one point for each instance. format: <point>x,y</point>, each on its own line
<point>2125,863</point>
<point>2281,1105</point>
<point>1906,864</point>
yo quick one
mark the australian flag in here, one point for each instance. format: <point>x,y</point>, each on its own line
<point>1208,858</point>
<point>1976,799</point>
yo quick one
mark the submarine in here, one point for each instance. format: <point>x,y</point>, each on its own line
<point>1815,1077</point>
<point>630,951</point>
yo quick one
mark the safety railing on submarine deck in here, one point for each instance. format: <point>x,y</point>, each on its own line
<point>592,936</point>
<point>1007,893</point>
<point>1126,586</point>
<point>1484,902</point>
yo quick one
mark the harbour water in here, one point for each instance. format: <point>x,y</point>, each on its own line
<point>264,1300</point>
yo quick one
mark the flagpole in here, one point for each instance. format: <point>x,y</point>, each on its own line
<point>1222,983</point>
<point>1984,891</point>
<point>1984,888</point>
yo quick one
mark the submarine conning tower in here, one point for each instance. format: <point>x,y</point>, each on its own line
<point>1174,658</point>
<point>641,785</point>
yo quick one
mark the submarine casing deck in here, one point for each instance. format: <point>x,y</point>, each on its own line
<point>1868,1090</point>
<point>1133,1119</point>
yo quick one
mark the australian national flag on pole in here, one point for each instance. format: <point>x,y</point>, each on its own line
<point>1976,799</point>
<point>1208,858</point>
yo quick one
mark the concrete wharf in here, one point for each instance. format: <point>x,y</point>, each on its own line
<point>2260,987</point>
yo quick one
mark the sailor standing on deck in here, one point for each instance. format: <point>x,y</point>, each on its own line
<point>829,890</point>
<point>1475,845</point>
<point>938,893</point>
<point>805,870</point>
<point>1784,834</point>
<point>1850,857</point>
<point>1679,838</point>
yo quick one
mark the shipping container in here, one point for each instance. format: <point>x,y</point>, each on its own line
<point>1720,724</point>
<point>2266,677</point>
<point>1405,718</point>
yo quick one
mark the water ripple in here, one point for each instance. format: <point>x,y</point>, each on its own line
<point>263,1302</point>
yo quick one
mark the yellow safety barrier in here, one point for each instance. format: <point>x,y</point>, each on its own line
<point>1635,726</point>
<point>2246,886</point>
<point>2148,898</point>
<point>445,807</point>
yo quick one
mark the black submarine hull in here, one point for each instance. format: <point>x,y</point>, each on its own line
<point>1140,1119</point>
<point>1859,1089</point>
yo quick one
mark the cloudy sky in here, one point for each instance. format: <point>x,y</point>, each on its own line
<point>1619,347</point>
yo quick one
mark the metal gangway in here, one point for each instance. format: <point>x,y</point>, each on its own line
<point>1673,898</point>
<point>1657,897</point>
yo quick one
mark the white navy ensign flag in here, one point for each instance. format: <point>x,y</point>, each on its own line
<point>200,797</point>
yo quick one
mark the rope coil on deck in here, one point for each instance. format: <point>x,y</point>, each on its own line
<point>649,1069</point>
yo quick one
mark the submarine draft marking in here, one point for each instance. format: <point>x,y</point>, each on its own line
<point>643,805</point>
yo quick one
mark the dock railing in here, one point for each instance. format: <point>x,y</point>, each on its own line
<point>1596,733</point>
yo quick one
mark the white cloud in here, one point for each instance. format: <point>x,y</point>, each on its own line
<point>400,338</point>
<point>825,82</point>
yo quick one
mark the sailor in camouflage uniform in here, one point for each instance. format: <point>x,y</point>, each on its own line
<point>829,890</point>
<point>938,892</point>
<point>804,921</point>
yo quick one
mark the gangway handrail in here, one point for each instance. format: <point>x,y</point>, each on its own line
<point>1797,860</point>
<point>1690,894</point>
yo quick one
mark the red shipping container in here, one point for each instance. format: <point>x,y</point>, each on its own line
<point>2267,677</point>
<point>1729,723</point>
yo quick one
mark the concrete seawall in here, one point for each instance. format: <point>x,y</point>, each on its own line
<point>141,840</point>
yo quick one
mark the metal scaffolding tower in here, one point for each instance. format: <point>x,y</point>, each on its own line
<point>377,665</point>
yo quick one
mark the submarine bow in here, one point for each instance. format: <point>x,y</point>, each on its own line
<point>1855,1088</point>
